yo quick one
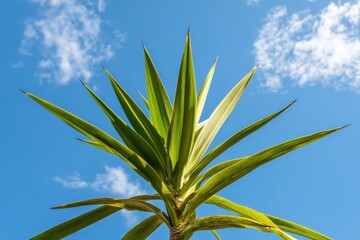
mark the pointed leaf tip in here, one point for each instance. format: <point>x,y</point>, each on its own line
<point>82,82</point>
<point>188,33</point>
<point>22,91</point>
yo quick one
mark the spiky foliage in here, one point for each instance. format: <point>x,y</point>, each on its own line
<point>169,151</point>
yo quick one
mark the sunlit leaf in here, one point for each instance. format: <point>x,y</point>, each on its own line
<point>144,229</point>
<point>214,153</point>
<point>122,203</point>
<point>132,139</point>
<point>228,175</point>
<point>204,92</point>
<point>159,103</point>
<point>183,122</point>
<point>217,118</point>
<point>71,226</point>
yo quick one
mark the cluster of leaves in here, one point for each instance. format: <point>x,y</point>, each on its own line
<point>169,150</point>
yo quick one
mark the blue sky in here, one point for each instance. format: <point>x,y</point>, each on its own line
<point>306,50</point>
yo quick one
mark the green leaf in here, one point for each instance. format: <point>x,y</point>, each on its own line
<point>159,103</point>
<point>215,234</point>
<point>228,175</point>
<point>215,169</point>
<point>241,210</point>
<point>204,92</point>
<point>220,222</point>
<point>97,145</point>
<point>144,99</point>
<point>132,139</point>
<point>217,119</point>
<point>122,203</point>
<point>183,121</point>
<point>205,161</point>
<point>130,157</point>
<point>297,229</point>
<point>144,229</point>
<point>138,119</point>
<point>147,197</point>
<point>69,227</point>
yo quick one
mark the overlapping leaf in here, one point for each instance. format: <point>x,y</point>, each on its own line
<point>204,91</point>
<point>214,153</point>
<point>220,222</point>
<point>159,103</point>
<point>168,151</point>
<point>132,139</point>
<point>183,122</point>
<point>217,119</point>
<point>228,175</point>
<point>122,203</point>
<point>138,119</point>
<point>130,157</point>
<point>297,229</point>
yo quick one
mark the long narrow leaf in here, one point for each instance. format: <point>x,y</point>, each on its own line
<point>183,121</point>
<point>204,92</point>
<point>130,157</point>
<point>144,229</point>
<point>131,138</point>
<point>215,234</point>
<point>215,169</point>
<point>297,229</point>
<point>147,197</point>
<point>128,204</point>
<point>228,175</point>
<point>97,145</point>
<point>220,222</point>
<point>190,188</point>
<point>137,118</point>
<point>217,119</point>
<point>69,227</point>
<point>243,211</point>
<point>159,103</point>
<point>144,99</point>
<point>205,161</point>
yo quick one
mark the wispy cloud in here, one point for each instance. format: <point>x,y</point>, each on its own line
<point>101,5</point>
<point>252,2</point>
<point>73,181</point>
<point>311,48</point>
<point>68,34</point>
<point>114,181</point>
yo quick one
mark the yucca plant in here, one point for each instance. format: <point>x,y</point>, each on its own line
<point>169,150</point>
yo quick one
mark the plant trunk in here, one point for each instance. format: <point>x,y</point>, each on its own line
<point>175,232</point>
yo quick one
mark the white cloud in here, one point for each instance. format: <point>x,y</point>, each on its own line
<point>72,181</point>
<point>252,2</point>
<point>114,181</point>
<point>311,48</point>
<point>130,217</point>
<point>16,65</point>
<point>101,5</point>
<point>68,34</point>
